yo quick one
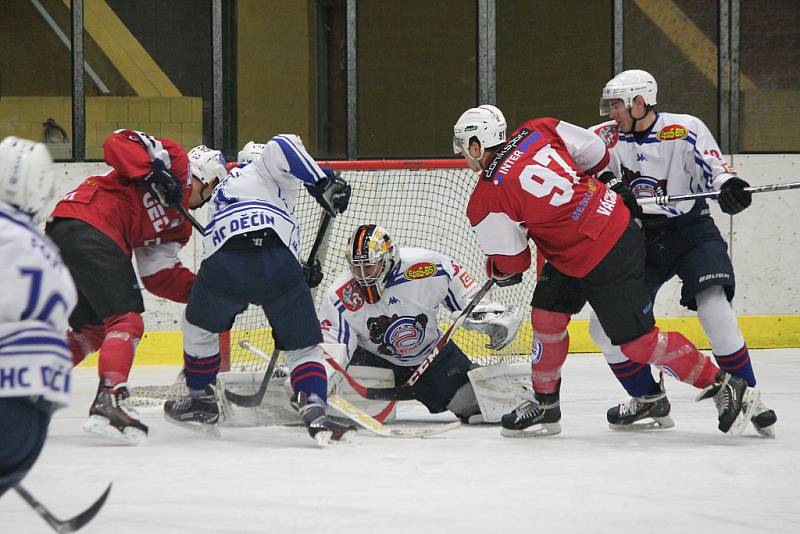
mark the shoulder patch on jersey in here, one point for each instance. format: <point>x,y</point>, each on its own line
<point>420,270</point>
<point>673,132</point>
<point>350,295</point>
<point>609,133</point>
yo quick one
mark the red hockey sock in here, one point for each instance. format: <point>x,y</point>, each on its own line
<point>85,341</point>
<point>674,354</point>
<point>550,347</point>
<point>116,353</point>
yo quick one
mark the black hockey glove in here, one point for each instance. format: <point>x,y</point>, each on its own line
<point>331,192</point>
<point>619,186</point>
<point>500,278</point>
<point>312,273</point>
<point>164,185</point>
<point>732,196</point>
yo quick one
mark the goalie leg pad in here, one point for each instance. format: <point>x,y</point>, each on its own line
<point>499,389</point>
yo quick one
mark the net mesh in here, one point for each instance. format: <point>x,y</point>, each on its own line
<point>420,204</point>
<point>420,207</point>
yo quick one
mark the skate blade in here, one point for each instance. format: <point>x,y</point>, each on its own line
<point>101,426</point>
<point>655,423</point>
<point>348,437</point>
<point>322,438</point>
<point>749,406</point>
<point>210,431</point>
<point>534,431</point>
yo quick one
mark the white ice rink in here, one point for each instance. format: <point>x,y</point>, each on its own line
<point>589,479</point>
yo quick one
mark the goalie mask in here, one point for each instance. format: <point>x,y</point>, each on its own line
<point>371,255</point>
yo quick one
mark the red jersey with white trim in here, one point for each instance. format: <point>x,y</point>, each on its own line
<point>540,185</point>
<point>120,205</point>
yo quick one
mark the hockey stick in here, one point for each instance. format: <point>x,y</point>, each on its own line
<point>361,417</point>
<point>667,199</point>
<point>190,218</point>
<point>249,401</point>
<point>68,525</point>
<point>402,392</point>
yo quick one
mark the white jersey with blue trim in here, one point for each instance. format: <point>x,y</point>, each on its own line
<point>262,194</point>
<point>37,295</point>
<point>678,156</point>
<point>402,327</point>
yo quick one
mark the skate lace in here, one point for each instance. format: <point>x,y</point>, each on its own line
<point>632,406</point>
<point>528,409</point>
<point>722,399</point>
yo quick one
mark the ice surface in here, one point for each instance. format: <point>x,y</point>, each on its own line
<point>589,479</point>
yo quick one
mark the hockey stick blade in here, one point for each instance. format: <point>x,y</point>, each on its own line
<point>363,419</point>
<point>251,401</point>
<point>69,525</point>
<point>662,200</point>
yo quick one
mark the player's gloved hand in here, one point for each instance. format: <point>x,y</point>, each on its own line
<point>619,186</point>
<point>732,196</point>
<point>500,278</point>
<point>164,185</point>
<point>312,273</point>
<point>331,192</point>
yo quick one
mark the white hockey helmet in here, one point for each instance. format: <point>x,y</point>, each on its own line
<point>486,123</point>
<point>371,255</point>
<point>206,164</point>
<point>250,151</point>
<point>27,181</point>
<point>626,86</point>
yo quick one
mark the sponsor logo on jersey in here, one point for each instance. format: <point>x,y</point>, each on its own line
<point>350,295</point>
<point>609,133</point>
<point>456,267</point>
<point>673,132</point>
<point>640,157</point>
<point>397,335</point>
<point>325,325</point>
<point>155,212</point>
<point>393,300</point>
<point>421,270</point>
<point>511,146</point>
<point>578,212</point>
<point>466,280</point>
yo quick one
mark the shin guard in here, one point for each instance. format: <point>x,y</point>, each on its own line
<point>123,333</point>
<point>550,347</point>
<point>674,354</point>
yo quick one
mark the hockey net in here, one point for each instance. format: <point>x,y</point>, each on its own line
<point>421,203</point>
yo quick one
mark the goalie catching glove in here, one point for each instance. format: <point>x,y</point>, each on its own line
<point>501,324</point>
<point>331,192</point>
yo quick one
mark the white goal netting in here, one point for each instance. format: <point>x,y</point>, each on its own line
<point>419,203</point>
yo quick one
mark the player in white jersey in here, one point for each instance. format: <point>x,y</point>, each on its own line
<point>384,310</point>
<point>655,153</point>
<point>36,297</point>
<point>251,257</point>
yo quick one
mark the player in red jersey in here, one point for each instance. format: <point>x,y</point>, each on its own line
<point>128,211</point>
<point>540,184</point>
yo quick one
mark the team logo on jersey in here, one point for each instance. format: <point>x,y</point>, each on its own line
<point>673,132</point>
<point>420,270</point>
<point>397,335</point>
<point>350,295</point>
<point>643,186</point>
<point>609,133</point>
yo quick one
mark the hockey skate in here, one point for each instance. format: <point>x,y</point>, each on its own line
<point>763,420</point>
<point>108,419</point>
<point>736,403</point>
<point>648,412</point>
<point>198,414</point>
<point>533,418</point>
<point>321,427</point>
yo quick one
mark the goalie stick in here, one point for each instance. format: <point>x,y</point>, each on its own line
<point>249,401</point>
<point>667,199</point>
<point>357,415</point>
<point>403,392</point>
<point>59,525</point>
